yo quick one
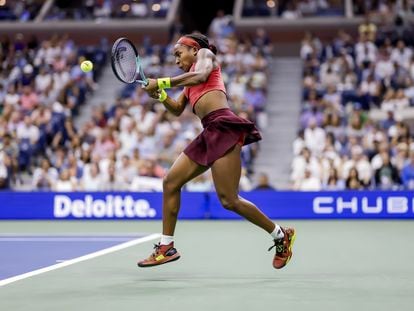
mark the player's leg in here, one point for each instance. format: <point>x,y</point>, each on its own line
<point>226,175</point>
<point>182,171</point>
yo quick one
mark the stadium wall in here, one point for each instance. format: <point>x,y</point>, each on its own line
<point>276,204</point>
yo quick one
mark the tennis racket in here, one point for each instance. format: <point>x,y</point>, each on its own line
<point>126,63</point>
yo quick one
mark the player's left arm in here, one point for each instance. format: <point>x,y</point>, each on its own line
<point>202,70</point>
<point>203,67</point>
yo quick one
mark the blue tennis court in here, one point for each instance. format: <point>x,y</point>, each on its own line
<point>21,254</point>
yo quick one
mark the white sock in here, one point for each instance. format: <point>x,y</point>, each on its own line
<point>277,233</point>
<point>166,239</point>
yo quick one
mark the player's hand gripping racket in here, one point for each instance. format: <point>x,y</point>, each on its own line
<point>126,63</point>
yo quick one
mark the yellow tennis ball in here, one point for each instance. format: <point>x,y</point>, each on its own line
<point>86,66</point>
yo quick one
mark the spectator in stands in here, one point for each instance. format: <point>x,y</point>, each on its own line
<point>45,176</point>
<point>333,182</point>
<point>111,180</point>
<point>263,182</point>
<point>4,171</point>
<point>29,99</point>
<point>65,183</point>
<point>299,142</point>
<point>408,173</point>
<point>291,11</point>
<point>12,98</point>
<point>304,161</point>
<point>387,176</point>
<point>353,182</point>
<point>92,179</point>
<point>401,54</point>
<point>315,137</point>
<point>308,183</point>
<point>221,25</point>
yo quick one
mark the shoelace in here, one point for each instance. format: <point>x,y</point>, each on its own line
<point>157,248</point>
<point>280,247</point>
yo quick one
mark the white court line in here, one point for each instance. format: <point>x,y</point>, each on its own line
<point>72,234</point>
<point>79,259</point>
<point>64,239</point>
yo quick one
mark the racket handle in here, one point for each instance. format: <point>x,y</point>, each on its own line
<point>143,83</point>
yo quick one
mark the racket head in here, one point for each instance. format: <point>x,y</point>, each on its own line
<point>125,61</point>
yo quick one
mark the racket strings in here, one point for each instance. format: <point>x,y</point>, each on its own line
<point>125,62</point>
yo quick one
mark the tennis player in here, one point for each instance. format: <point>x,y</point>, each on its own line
<point>217,147</point>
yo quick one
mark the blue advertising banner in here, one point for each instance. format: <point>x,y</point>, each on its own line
<point>98,205</point>
<point>275,204</point>
<point>326,205</point>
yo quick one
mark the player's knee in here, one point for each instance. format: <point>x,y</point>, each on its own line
<point>169,185</point>
<point>228,202</point>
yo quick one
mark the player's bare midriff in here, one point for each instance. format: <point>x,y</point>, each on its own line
<point>210,102</point>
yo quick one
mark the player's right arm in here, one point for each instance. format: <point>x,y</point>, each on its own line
<point>176,107</point>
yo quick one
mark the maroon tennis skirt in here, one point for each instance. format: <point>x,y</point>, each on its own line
<point>222,130</point>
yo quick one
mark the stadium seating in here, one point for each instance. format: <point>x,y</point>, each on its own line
<point>342,143</point>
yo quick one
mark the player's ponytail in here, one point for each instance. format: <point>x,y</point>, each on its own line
<point>213,48</point>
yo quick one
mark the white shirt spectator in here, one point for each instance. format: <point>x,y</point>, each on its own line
<point>125,171</point>
<point>3,171</point>
<point>315,139</point>
<point>42,82</point>
<point>91,182</point>
<point>308,183</point>
<point>60,79</point>
<point>291,14</point>
<point>298,145</point>
<point>363,167</point>
<point>384,69</point>
<point>52,175</point>
<point>145,183</point>
<point>12,99</point>
<point>369,87</point>
<point>145,123</point>
<point>27,131</point>
<point>64,186</point>
<point>128,140</point>
<point>237,88</point>
<point>402,56</point>
<point>300,165</point>
<point>306,49</point>
<point>365,51</point>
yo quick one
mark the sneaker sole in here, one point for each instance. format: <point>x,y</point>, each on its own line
<point>292,240</point>
<point>157,264</point>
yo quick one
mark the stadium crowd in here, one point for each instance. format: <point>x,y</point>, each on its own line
<point>288,9</point>
<point>41,91</point>
<point>340,144</point>
<point>21,11</point>
<point>126,145</point>
<point>104,9</point>
<point>296,9</point>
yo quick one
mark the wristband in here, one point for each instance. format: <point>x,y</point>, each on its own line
<point>164,83</point>
<point>163,95</point>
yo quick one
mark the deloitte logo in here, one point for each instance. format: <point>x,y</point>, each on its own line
<point>113,206</point>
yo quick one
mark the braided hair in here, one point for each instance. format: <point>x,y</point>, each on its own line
<point>202,40</point>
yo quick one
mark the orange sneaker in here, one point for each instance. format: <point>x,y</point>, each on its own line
<point>283,248</point>
<point>162,254</point>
